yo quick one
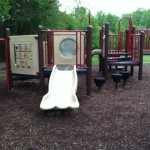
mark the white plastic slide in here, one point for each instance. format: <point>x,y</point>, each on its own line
<point>62,89</point>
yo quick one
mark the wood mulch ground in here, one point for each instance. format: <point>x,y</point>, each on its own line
<point>109,119</point>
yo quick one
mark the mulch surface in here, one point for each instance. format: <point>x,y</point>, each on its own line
<point>109,119</point>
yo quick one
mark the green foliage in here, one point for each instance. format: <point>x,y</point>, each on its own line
<point>145,21</point>
<point>137,16</point>
<point>4,15</point>
<point>66,22</point>
<point>95,33</point>
<point>113,22</point>
<point>100,18</point>
<point>141,18</point>
<point>24,16</point>
<point>4,9</point>
<point>80,14</point>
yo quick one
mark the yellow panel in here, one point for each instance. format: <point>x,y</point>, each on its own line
<point>24,54</point>
<point>58,57</point>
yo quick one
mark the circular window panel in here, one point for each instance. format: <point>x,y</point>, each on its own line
<point>68,48</point>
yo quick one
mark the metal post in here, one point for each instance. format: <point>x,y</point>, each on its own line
<point>89,60</point>
<point>40,49</point>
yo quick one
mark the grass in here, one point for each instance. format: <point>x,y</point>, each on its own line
<point>95,60</point>
<point>146,60</point>
<point>2,74</point>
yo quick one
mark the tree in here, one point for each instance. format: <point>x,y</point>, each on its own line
<point>100,18</point>
<point>4,15</point>
<point>145,21</point>
<point>80,14</point>
<point>95,33</point>
<point>141,18</point>
<point>26,15</point>
<point>66,22</point>
<point>137,17</point>
<point>113,21</point>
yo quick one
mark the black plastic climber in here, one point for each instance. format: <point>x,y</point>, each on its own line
<point>116,78</point>
<point>99,81</point>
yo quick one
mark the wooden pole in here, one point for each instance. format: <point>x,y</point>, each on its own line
<point>89,60</point>
<point>132,40</point>
<point>126,47</point>
<point>106,50</point>
<point>8,66</point>
<point>89,17</point>
<point>141,55</point>
<point>40,49</point>
<point>101,45</point>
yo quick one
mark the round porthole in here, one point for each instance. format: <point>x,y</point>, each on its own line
<point>68,48</point>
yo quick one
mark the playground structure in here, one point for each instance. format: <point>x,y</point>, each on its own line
<point>49,53</point>
<point>64,48</point>
<point>81,55</point>
<point>33,56</point>
<point>58,54</point>
<point>122,49</point>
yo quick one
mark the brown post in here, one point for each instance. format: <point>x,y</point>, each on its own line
<point>49,47</point>
<point>101,34</point>
<point>8,66</point>
<point>89,60</point>
<point>132,40</point>
<point>105,73</point>
<point>89,17</point>
<point>141,55</point>
<point>101,38</point>
<point>40,49</point>
<point>126,44</point>
<point>103,51</point>
<point>126,47</point>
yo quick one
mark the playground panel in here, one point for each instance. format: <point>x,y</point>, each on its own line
<point>69,45</point>
<point>64,47</point>
<point>24,54</point>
